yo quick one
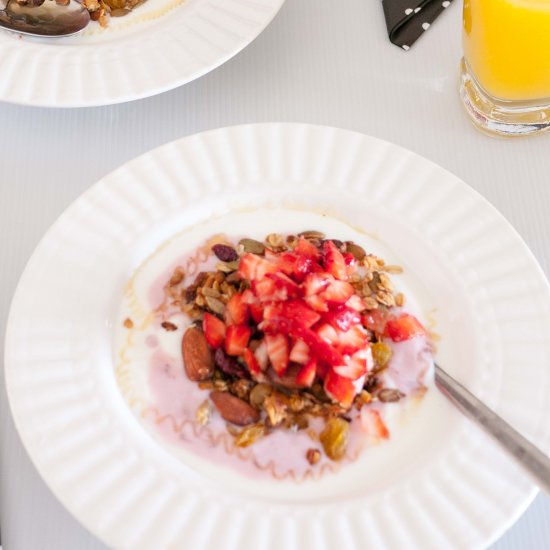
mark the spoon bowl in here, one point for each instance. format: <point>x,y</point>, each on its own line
<point>47,20</point>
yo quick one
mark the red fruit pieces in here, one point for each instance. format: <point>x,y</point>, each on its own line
<point>315,283</point>
<point>306,375</point>
<point>251,362</point>
<point>338,292</point>
<point>300,352</point>
<point>356,302</point>
<point>277,351</point>
<point>376,320</point>
<point>352,340</point>
<point>298,310</point>
<point>254,267</point>
<point>404,327</point>
<point>354,367</point>
<point>214,330</point>
<point>339,388</point>
<point>283,282</point>
<point>333,261</point>
<point>305,248</point>
<point>236,310</point>
<point>342,318</point>
<point>261,355</point>
<point>236,339</point>
<point>324,351</point>
<point>372,423</point>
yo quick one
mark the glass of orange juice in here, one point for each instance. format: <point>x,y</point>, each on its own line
<point>505,80</point>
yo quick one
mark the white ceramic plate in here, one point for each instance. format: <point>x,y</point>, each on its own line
<point>440,484</point>
<point>159,46</point>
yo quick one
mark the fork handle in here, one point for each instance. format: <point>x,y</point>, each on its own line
<point>535,462</point>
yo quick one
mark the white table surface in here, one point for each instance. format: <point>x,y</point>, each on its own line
<point>321,61</point>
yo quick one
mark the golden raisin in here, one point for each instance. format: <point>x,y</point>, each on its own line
<point>381,353</point>
<point>334,438</point>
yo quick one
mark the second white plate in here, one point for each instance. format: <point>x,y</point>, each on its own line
<point>159,46</point>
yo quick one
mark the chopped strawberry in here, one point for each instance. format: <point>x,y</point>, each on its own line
<point>261,355</point>
<point>338,292</point>
<point>256,312</point>
<point>342,318</point>
<point>306,374</point>
<point>236,339</point>
<point>324,351</point>
<point>354,367</point>
<point>316,302</point>
<point>283,282</point>
<point>254,267</point>
<point>339,389</point>
<point>333,261</point>
<point>277,350</point>
<point>376,320</point>
<point>349,259</point>
<point>214,330</point>
<point>355,302</point>
<point>372,423</point>
<point>236,310</point>
<point>404,327</point>
<point>315,283</point>
<point>353,339</point>
<point>297,309</point>
<point>287,263</point>
<point>328,334</point>
<point>299,352</point>
<point>251,362</point>
<point>305,248</point>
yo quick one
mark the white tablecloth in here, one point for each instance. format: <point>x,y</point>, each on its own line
<point>321,61</point>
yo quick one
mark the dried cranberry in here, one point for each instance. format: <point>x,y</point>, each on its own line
<point>225,253</point>
<point>229,365</point>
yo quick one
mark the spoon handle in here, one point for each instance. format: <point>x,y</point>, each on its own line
<point>536,463</point>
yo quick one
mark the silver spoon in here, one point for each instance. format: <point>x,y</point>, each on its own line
<point>536,463</point>
<point>48,19</point>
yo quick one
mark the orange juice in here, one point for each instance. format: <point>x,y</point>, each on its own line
<point>507,47</point>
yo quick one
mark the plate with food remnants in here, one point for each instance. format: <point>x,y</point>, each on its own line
<point>231,340</point>
<point>130,50</point>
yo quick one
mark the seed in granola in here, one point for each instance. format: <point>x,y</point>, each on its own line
<point>385,298</point>
<point>227,267</point>
<point>291,241</point>
<point>128,323</point>
<point>381,353</point>
<point>392,269</point>
<point>334,438</point>
<point>357,251</point>
<point>252,246</point>
<point>275,406</point>
<point>312,235</point>
<point>400,299</point>
<point>299,422</point>
<point>211,292</point>
<point>370,303</point>
<point>168,326</point>
<point>258,394</point>
<point>204,412</point>
<point>250,435</point>
<point>389,395</point>
<point>385,282</point>
<point>275,240</point>
<point>225,253</point>
<point>241,388</point>
<point>232,278</point>
<point>177,277</point>
<point>313,456</point>
<point>215,305</point>
<point>206,385</point>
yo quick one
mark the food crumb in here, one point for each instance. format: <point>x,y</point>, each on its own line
<point>167,325</point>
<point>313,456</point>
<point>128,323</point>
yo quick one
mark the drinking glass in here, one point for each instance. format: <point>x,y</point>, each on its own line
<point>505,71</point>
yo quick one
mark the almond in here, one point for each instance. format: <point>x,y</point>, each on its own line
<point>198,360</point>
<point>233,409</point>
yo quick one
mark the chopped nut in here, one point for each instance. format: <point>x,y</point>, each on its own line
<point>275,240</point>
<point>313,456</point>
<point>275,406</point>
<point>168,326</point>
<point>312,235</point>
<point>204,412</point>
<point>250,435</point>
<point>128,323</point>
<point>177,277</point>
<point>241,388</point>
